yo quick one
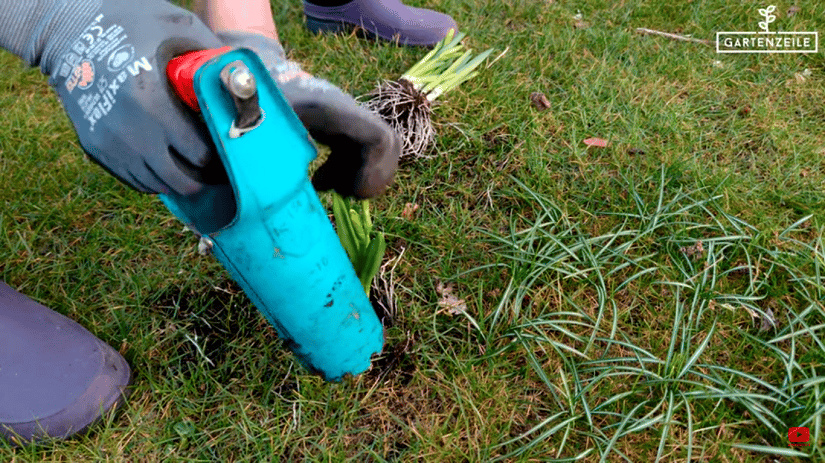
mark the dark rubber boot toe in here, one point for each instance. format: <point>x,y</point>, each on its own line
<point>56,378</point>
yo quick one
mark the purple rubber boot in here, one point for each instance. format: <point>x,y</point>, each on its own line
<point>387,19</point>
<point>56,378</point>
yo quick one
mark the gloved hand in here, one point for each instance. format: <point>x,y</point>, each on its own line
<point>108,70</point>
<point>364,149</point>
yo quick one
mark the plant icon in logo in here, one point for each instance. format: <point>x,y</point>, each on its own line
<point>769,18</point>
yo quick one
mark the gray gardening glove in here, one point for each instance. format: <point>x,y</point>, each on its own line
<point>107,61</point>
<point>364,149</point>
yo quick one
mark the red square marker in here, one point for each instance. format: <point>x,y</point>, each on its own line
<point>799,434</point>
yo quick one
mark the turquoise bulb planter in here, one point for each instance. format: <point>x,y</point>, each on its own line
<point>279,244</point>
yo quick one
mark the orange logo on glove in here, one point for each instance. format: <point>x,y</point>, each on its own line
<point>83,75</point>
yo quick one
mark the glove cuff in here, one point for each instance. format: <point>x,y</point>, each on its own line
<point>40,32</point>
<point>268,49</point>
<point>296,84</point>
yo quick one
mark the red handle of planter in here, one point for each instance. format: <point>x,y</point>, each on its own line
<point>181,73</point>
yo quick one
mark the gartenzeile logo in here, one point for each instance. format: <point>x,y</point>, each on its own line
<point>765,40</point>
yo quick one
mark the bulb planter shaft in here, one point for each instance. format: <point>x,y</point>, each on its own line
<point>279,245</point>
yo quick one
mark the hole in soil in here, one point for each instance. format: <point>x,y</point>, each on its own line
<point>396,451</point>
<point>497,138</point>
<point>382,308</point>
<point>395,364</point>
<point>214,319</point>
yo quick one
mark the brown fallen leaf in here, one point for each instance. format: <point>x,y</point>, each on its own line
<point>448,302</point>
<point>793,10</point>
<point>409,211</point>
<point>803,76</point>
<point>540,101</point>
<point>768,320</point>
<point>580,23</point>
<point>598,142</point>
<point>696,249</point>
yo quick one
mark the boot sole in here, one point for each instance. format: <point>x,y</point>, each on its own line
<point>332,26</point>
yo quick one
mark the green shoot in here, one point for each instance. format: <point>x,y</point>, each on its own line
<point>355,231</point>
<point>445,67</point>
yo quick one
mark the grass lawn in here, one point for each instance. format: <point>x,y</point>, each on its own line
<point>661,297</point>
